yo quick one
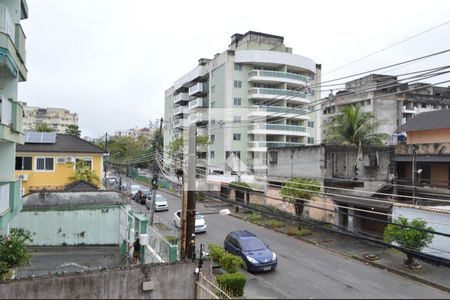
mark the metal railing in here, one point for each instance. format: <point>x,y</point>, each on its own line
<point>207,289</point>
<point>270,144</point>
<point>282,127</point>
<point>159,248</point>
<point>279,109</point>
<point>276,92</point>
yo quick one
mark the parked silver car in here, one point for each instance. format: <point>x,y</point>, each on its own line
<point>200,222</point>
<point>160,203</point>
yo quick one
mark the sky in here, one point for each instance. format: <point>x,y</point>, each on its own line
<point>110,61</point>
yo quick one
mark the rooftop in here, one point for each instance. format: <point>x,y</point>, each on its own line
<point>437,119</point>
<point>66,143</point>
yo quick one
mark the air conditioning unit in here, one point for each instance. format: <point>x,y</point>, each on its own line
<point>23,177</point>
<point>60,160</point>
<point>70,159</point>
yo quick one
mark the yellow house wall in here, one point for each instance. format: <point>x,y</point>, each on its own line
<point>62,172</point>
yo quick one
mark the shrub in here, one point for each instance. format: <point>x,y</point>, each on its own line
<point>13,250</point>
<point>231,263</point>
<point>233,284</point>
<point>254,217</point>
<point>294,231</point>
<point>275,223</point>
<point>199,197</point>
<point>216,252</point>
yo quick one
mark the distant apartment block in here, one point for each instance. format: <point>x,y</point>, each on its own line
<point>12,71</point>
<point>253,96</point>
<point>392,102</point>
<point>136,132</point>
<point>58,119</point>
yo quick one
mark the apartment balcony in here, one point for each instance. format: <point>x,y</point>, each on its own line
<point>10,201</point>
<point>278,129</point>
<point>11,121</point>
<point>262,146</point>
<point>181,97</point>
<point>198,117</point>
<point>409,110</point>
<point>198,103</point>
<point>278,111</point>
<point>20,43</point>
<point>180,110</point>
<point>198,89</point>
<point>280,94</point>
<point>180,123</point>
<point>263,76</point>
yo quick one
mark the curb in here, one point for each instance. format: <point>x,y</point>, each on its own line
<point>374,264</point>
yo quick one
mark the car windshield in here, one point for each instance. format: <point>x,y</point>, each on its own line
<point>252,244</point>
<point>159,198</point>
<point>198,217</point>
<point>134,187</point>
<point>146,192</point>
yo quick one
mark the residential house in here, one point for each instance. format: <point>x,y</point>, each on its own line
<point>12,71</point>
<point>424,159</point>
<point>47,161</point>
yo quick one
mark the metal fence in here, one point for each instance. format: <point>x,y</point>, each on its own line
<point>207,289</point>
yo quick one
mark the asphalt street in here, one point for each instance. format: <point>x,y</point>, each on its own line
<point>304,270</point>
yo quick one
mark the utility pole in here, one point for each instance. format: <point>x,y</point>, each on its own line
<point>155,174</point>
<point>106,149</point>
<point>187,250</point>
<point>414,173</point>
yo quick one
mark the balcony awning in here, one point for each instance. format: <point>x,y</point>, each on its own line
<point>7,62</point>
<point>423,158</point>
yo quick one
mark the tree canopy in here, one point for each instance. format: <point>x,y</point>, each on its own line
<point>352,126</point>
<point>73,130</point>
<point>43,127</point>
<point>298,190</point>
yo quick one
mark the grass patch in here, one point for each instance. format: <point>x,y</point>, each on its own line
<point>295,231</point>
<point>272,223</point>
<point>255,218</point>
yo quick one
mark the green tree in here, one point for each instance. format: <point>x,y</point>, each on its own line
<point>73,130</point>
<point>301,190</point>
<point>13,250</point>
<point>354,127</point>
<point>43,127</point>
<point>83,172</point>
<point>409,238</point>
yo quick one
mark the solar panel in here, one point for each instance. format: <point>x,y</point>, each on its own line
<point>40,137</point>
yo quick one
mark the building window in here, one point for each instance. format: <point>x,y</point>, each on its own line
<point>213,72</point>
<point>424,105</point>
<point>237,102</point>
<point>212,154</point>
<point>213,122</point>
<point>237,119</point>
<point>23,163</point>
<point>310,140</point>
<point>83,162</point>
<point>213,138</point>
<point>235,153</point>
<point>236,136</point>
<point>238,84</point>
<point>213,89</point>
<point>213,104</point>
<point>311,124</point>
<point>238,67</point>
<point>45,164</point>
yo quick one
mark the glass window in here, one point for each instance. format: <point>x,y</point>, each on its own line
<point>237,84</point>
<point>23,163</point>
<point>82,162</point>
<point>212,154</point>
<point>237,101</point>
<point>213,138</point>
<point>213,104</point>
<point>236,136</point>
<point>236,119</point>
<point>252,244</point>
<point>213,89</point>
<point>238,67</point>
<point>311,124</point>
<point>44,164</point>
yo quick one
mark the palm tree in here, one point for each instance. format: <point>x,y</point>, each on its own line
<point>355,127</point>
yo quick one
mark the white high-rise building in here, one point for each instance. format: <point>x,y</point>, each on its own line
<point>59,119</point>
<point>253,96</point>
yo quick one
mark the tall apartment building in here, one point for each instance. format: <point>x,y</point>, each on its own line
<point>391,102</point>
<point>12,71</point>
<point>253,96</point>
<point>58,119</point>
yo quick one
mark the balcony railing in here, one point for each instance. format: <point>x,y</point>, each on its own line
<point>198,88</point>
<point>20,43</point>
<point>198,103</point>
<point>279,109</point>
<point>281,127</point>
<point>179,110</point>
<point>278,93</point>
<point>180,97</point>
<point>6,24</point>
<point>270,144</point>
<point>197,117</point>
<point>10,198</point>
<point>278,74</point>
<point>180,123</point>
<point>11,114</point>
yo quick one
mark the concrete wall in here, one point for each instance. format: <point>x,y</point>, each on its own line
<point>323,209</point>
<point>440,244</point>
<point>88,226</point>
<point>171,281</point>
<point>429,136</point>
